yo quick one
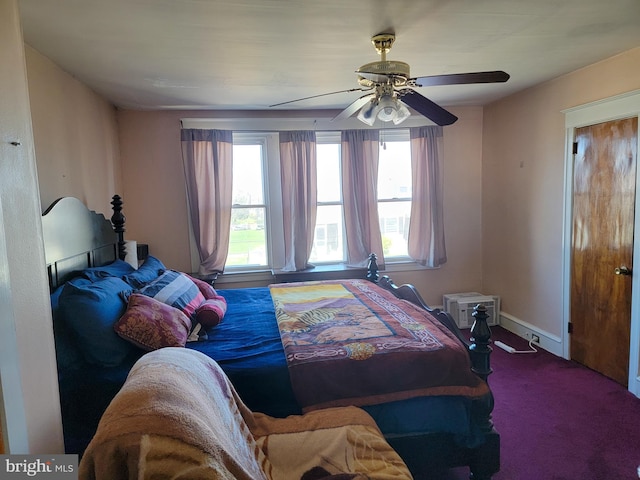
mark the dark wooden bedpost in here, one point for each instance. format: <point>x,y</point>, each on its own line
<point>372,269</point>
<point>118,219</point>
<point>486,458</point>
<point>480,340</point>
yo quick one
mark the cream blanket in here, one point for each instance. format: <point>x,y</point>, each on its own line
<point>178,417</point>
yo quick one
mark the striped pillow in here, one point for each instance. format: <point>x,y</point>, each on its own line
<point>175,289</point>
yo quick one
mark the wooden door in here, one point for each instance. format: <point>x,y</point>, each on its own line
<point>604,179</point>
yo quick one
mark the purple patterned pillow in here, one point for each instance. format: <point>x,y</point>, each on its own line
<point>175,289</point>
<point>151,324</point>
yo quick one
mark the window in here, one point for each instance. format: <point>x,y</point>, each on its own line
<point>394,196</point>
<point>328,244</point>
<point>248,240</point>
<point>256,221</point>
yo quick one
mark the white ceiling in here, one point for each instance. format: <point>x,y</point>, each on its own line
<point>249,54</point>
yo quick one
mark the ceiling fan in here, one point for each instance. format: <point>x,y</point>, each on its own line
<point>391,89</point>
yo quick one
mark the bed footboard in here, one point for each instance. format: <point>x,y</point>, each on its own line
<point>483,460</point>
<point>478,345</point>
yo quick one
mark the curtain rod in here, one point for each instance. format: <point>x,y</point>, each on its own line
<point>282,124</point>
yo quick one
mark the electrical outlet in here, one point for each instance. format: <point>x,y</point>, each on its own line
<point>535,338</point>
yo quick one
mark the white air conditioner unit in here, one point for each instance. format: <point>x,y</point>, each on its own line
<point>461,305</point>
<point>450,301</point>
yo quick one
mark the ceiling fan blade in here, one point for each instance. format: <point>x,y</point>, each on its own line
<point>497,76</point>
<point>353,107</point>
<point>427,108</point>
<point>321,95</point>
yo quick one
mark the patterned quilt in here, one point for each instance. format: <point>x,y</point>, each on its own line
<point>350,342</point>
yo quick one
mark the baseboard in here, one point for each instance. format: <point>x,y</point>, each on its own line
<point>636,385</point>
<point>549,342</point>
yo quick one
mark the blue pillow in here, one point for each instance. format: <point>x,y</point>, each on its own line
<point>89,312</point>
<point>118,268</point>
<point>55,297</point>
<point>151,269</point>
<point>68,355</point>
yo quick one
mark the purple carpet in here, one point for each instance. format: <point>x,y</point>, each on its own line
<point>559,420</point>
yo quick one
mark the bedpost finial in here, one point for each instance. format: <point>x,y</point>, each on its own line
<point>481,338</point>
<point>372,269</point>
<point>118,220</point>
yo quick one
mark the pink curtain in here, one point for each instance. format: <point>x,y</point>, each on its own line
<point>207,158</point>
<point>426,224</point>
<point>360,153</point>
<point>299,196</point>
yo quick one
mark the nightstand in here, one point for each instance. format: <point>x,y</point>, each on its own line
<point>209,278</point>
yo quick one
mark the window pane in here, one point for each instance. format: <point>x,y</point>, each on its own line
<point>247,175</point>
<point>327,242</point>
<point>394,227</point>
<point>394,171</point>
<point>328,165</point>
<point>247,240</point>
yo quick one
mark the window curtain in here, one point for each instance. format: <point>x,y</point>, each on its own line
<point>426,224</point>
<point>360,153</point>
<point>207,158</point>
<point>298,175</point>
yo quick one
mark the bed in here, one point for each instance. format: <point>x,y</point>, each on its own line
<point>433,427</point>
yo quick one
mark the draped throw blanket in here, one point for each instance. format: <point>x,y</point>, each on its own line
<point>351,342</point>
<point>179,417</point>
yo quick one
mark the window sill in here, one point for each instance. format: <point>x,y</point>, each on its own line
<point>261,276</point>
<point>405,266</point>
<point>319,272</point>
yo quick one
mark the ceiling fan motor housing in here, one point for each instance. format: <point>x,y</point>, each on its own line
<point>389,70</point>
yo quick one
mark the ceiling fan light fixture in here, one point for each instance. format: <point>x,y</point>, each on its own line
<point>402,114</point>
<point>387,108</point>
<point>369,112</point>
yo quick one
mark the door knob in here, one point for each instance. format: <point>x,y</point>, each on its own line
<point>622,270</point>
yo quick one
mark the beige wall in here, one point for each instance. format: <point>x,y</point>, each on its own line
<point>154,192</point>
<point>30,407</point>
<point>69,146</point>
<point>156,208</point>
<point>75,135</point>
<point>523,183</point>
